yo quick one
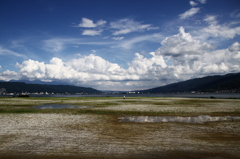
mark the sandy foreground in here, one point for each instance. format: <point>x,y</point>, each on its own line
<point>103,136</point>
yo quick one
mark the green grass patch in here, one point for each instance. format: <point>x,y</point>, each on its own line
<point>196,101</point>
<point>17,111</point>
<point>183,105</point>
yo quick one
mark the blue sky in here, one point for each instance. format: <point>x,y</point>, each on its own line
<point>118,44</point>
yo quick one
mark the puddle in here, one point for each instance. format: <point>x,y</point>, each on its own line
<point>60,106</point>
<point>178,119</point>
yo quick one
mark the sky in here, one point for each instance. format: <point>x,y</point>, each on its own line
<point>118,44</point>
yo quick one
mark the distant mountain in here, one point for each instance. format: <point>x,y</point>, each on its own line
<point>41,82</point>
<point>19,87</point>
<point>225,83</point>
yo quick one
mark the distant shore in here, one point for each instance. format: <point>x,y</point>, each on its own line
<point>182,95</point>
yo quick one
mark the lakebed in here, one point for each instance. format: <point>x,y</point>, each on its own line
<point>92,128</point>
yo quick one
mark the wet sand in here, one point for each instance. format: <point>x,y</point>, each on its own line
<point>103,136</point>
<point>96,132</point>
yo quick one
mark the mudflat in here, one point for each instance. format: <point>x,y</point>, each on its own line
<point>96,132</point>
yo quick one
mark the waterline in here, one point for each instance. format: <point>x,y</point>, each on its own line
<point>60,106</point>
<point>178,119</point>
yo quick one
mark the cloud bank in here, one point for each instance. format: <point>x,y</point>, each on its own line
<point>179,57</point>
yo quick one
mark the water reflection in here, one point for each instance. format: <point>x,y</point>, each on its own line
<point>195,120</point>
<point>60,106</point>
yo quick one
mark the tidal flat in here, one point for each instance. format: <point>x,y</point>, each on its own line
<point>93,128</point>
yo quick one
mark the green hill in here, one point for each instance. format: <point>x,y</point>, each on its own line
<point>228,82</point>
<point>19,87</point>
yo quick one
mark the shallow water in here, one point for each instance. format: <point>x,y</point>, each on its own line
<point>60,106</point>
<point>194,120</point>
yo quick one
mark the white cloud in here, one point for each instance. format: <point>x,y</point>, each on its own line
<point>189,13</point>
<point>127,44</point>
<point>92,70</point>
<point>92,32</point>
<point>144,66</point>
<point>142,72</point>
<point>192,58</point>
<point>88,68</point>
<point>8,75</point>
<point>118,38</point>
<point>180,57</point>
<point>101,22</point>
<point>193,4</point>
<point>4,51</point>
<point>216,30</point>
<point>125,26</point>
<point>235,47</point>
<point>181,44</point>
<point>221,61</point>
<point>95,64</point>
<point>32,69</point>
<point>88,23</point>
<point>211,19</point>
<point>202,1</point>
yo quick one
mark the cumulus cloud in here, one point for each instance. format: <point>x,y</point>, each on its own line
<point>214,29</point>
<point>235,47</point>
<point>189,13</point>
<point>180,57</point>
<point>125,26</point>
<point>88,23</point>
<point>192,58</point>
<point>147,67</point>
<point>221,61</point>
<point>88,68</point>
<point>92,70</point>
<point>8,75</point>
<point>181,44</point>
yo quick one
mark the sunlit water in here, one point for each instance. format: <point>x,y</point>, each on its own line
<point>60,106</point>
<point>194,120</point>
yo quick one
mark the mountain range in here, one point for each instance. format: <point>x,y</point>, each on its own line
<point>217,83</point>
<point>19,87</point>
